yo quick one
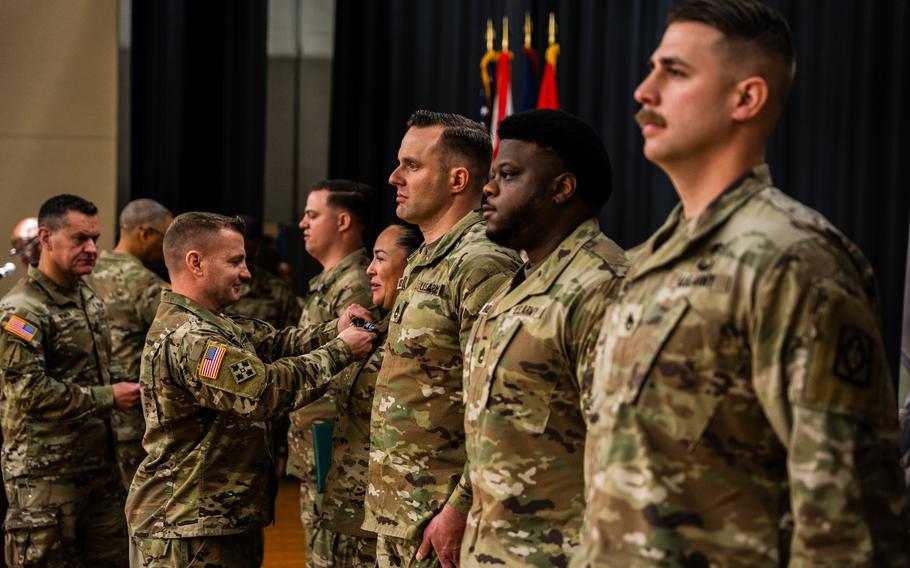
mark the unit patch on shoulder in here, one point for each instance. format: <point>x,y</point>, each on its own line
<point>211,362</point>
<point>854,356</point>
<point>20,328</point>
<point>243,370</point>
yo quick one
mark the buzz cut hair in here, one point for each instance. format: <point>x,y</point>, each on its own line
<point>462,138</point>
<point>52,214</point>
<point>142,211</point>
<point>194,231</point>
<point>572,142</point>
<point>750,28</point>
<point>347,195</point>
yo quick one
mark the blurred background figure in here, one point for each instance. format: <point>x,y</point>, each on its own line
<point>24,241</point>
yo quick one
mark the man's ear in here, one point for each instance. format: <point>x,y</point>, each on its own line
<point>193,262</point>
<point>751,97</point>
<point>44,237</point>
<point>564,187</point>
<point>459,179</point>
<point>344,221</point>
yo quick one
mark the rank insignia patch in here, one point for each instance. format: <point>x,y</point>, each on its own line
<point>243,370</point>
<point>211,362</point>
<point>20,328</point>
<point>854,356</point>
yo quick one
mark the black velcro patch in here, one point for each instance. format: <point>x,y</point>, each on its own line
<point>854,356</point>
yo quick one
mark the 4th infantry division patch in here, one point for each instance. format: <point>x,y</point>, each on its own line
<point>243,370</point>
<point>20,328</point>
<point>211,363</point>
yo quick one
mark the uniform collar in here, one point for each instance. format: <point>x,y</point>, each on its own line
<point>539,279</point>
<point>669,242</point>
<point>200,311</point>
<point>328,277</point>
<point>117,256</point>
<point>429,253</point>
<point>57,293</point>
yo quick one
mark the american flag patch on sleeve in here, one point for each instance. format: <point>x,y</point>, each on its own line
<point>20,328</point>
<point>211,362</point>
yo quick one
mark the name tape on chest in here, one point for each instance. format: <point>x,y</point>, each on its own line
<point>211,361</point>
<point>714,282</point>
<point>432,288</point>
<point>20,328</point>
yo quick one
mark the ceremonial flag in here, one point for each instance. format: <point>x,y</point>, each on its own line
<point>502,106</point>
<point>549,97</point>
<point>488,58</point>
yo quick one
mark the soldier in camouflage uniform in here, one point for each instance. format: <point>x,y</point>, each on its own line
<point>209,383</point>
<point>340,541</point>
<point>264,296</point>
<point>131,291</point>
<point>333,222</point>
<point>418,496</point>
<point>740,381</point>
<point>66,499</point>
<point>524,361</point>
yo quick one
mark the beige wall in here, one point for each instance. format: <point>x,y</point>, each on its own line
<point>58,120</point>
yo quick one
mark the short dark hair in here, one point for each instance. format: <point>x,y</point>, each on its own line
<point>461,136</point>
<point>409,237</point>
<point>142,211</point>
<point>570,140</point>
<point>750,24</point>
<point>54,210</point>
<point>192,230</point>
<point>347,195</point>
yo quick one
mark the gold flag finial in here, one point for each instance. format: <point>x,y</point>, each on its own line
<point>552,29</point>
<point>528,28</point>
<point>491,34</point>
<point>505,33</point>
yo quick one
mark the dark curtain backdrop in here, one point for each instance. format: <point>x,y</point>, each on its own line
<point>197,99</point>
<point>839,146</point>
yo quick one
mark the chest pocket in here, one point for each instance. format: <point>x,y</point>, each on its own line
<point>520,382</point>
<point>665,364</point>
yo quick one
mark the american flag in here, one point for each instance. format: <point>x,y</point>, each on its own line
<point>20,328</point>
<point>211,363</point>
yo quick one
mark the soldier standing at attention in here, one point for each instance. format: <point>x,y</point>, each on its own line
<point>65,496</point>
<point>525,381</point>
<point>264,296</point>
<point>333,222</point>
<point>124,281</point>
<point>418,496</point>
<point>743,411</point>
<point>209,383</point>
<point>340,541</point>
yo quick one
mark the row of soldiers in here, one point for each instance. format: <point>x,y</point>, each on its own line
<point>718,395</point>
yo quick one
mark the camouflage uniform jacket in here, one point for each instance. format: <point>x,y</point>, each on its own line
<point>55,350</point>
<point>330,294</point>
<point>268,298</point>
<point>740,376</point>
<point>208,385</point>
<point>417,457</point>
<point>131,293</point>
<point>523,403</point>
<point>346,483</point>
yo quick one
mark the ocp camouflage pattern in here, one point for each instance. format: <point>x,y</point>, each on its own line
<point>743,411</point>
<point>524,394</point>
<point>417,460</point>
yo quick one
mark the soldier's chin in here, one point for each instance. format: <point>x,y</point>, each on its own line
<point>500,236</point>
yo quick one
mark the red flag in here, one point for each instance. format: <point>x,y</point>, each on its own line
<point>549,95</point>
<point>502,107</point>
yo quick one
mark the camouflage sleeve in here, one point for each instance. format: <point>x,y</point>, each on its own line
<point>272,344</point>
<point>475,289</point>
<point>820,374</point>
<point>147,305</point>
<point>25,383</point>
<point>584,323</point>
<point>225,378</point>
<point>290,308</point>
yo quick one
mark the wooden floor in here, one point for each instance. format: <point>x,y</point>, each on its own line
<point>284,541</point>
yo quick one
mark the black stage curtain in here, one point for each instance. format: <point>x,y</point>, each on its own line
<point>198,104</point>
<point>837,148</point>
